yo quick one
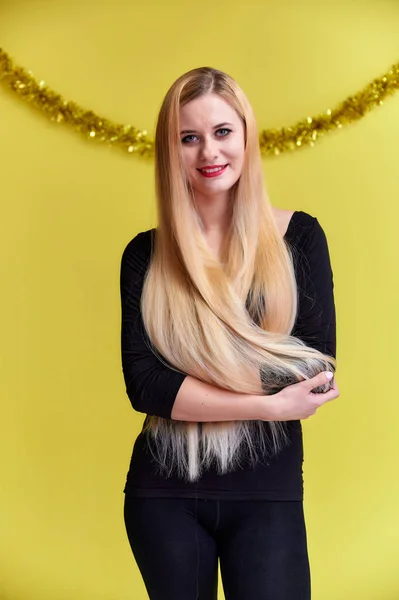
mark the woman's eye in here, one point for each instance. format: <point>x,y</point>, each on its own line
<point>187,140</point>
<point>224,129</point>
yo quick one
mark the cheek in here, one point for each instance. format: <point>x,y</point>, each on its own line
<point>236,151</point>
<point>190,160</point>
<point>237,162</point>
<point>188,163</point>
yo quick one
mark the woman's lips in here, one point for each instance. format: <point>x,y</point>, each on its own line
<point>214,174</point>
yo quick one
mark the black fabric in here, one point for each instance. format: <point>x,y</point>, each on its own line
<point>152,386</point>
<point>261,545</point>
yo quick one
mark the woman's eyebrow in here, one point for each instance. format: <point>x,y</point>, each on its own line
<point>215,127</point>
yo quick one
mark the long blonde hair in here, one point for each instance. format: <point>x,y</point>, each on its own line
<point>227,323</point>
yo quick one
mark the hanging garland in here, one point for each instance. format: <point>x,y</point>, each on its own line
<point>136,141</point>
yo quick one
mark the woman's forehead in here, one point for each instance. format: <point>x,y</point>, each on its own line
<point>207,112</point>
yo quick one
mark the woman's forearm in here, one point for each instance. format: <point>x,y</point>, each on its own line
<point>200,401</point>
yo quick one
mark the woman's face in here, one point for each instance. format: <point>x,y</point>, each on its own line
<point>212,137</point>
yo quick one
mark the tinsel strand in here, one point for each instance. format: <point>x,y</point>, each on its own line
<point>136,141</point>
<point>309,130</point>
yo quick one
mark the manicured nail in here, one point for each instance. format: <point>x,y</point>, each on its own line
<point>329,375</point>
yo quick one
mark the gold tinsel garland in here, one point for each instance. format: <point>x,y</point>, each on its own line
<point>136,141</point>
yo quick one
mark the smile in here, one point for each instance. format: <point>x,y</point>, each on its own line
<point>212,172</point>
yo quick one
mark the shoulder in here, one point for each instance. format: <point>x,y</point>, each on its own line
<point>306,240</point>
<point>141,243</point>
<point>296,225</point>
<point>302,229</point>
<point>137,251</point>
<point>309,248</point>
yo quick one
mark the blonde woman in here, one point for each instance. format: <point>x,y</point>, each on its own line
<point>228,342</point>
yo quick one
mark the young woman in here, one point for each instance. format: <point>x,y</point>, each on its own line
<point>228,341</point>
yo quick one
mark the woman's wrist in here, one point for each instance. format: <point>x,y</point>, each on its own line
<point>265,408</point>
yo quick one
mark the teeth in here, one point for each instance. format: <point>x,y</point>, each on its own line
<point>212,170</point>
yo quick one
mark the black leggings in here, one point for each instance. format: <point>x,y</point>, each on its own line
<point>261,545</point>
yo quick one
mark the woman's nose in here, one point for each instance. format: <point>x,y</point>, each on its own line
<point>209,150</point>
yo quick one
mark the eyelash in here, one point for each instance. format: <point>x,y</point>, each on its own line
<point>192,134</point>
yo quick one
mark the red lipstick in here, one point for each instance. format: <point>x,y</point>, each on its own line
<point>210,172</point>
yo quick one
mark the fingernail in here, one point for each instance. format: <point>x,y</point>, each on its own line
<point>329,375</point>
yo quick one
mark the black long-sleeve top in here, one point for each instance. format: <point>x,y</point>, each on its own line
<point>152,386</point>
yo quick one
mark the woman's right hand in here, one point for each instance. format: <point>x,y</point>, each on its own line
<point>297,401</point>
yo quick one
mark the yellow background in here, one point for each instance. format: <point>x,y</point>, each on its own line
<point>70,207</point>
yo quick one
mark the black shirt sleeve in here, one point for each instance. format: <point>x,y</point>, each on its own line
<point>150,385</point>
<point>316,319</point>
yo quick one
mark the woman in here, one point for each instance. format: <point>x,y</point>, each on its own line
<point>228,337</point>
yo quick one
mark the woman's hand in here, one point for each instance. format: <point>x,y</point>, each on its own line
<point>297,401</point>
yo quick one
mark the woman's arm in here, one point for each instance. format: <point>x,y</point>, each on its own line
<point>200,401</point>
<point>152,387</point>
<point>316,320</point>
